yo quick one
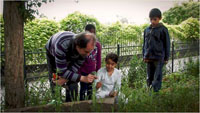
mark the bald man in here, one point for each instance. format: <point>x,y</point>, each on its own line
<point>66,52</point>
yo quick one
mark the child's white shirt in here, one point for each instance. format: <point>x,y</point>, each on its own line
<point>109,83</point>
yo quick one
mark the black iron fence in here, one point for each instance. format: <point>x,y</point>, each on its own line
<point>36,73</point>
<point>35,65</point>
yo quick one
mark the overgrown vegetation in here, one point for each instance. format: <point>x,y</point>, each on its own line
<point>37,32</point>
<point>188,30</point>
<point>180,92</point>
<point>181,20</point>
<point>182,12</point>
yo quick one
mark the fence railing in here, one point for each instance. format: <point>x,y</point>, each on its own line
<point>36,73</point>
<point>35,65</point>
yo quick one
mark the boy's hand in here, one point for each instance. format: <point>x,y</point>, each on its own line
<point>99,84</point>
<point>113,94</point>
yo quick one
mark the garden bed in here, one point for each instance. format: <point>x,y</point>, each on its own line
<point>105,105</point>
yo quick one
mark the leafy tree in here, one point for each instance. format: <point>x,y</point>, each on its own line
<point>182,12</point>
<point>76,22</point>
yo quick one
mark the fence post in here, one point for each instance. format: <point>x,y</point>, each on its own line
<point>118,52</point>
<point>25,70</point>
<point>172,56</point>
<point>25,80</point>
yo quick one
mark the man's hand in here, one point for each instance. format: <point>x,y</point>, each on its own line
<point>88,79</point>
<point>145,60</point>
<point>60,81</point>
<point>165,61</point>
<point>99,84</point>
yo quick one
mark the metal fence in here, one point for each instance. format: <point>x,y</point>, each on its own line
<point>35,65</point>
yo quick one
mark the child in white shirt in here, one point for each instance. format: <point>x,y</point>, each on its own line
<point>109,78</point>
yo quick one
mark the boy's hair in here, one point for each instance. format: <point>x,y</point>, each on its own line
<point>88,27</point>
<point>112,56</point>
<point>155,12</point>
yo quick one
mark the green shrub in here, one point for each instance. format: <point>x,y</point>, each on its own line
<point>182,12</point>
<point>190,28</point>
<point>192,68</point>
<point>37,32</point>
<point>76,22</point>
<point>137,72</point>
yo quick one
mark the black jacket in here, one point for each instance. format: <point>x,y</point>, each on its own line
<point>156,44</point>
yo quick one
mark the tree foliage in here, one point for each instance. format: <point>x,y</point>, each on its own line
<point>37,33</point>
<point>188,30</point>
<point>76,22</point>
<point>180,13</point>
<point>119,33</point>
<point>27,11</point>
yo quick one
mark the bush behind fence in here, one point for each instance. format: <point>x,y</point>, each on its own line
<point>130,64</point>
<point>36,65</point>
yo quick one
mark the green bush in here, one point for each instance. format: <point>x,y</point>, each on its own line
<point>123,34</point>
<point>76,22</point>
<point>179,93</point>
<point>137,73</point>
<point>188,30</point>
<point>37,32</point>
<point>192,68</point>
<point>182,12</point>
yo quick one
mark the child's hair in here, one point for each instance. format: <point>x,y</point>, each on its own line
<point>112,56</point>
<point>155,12</point>
<point>88,27</point>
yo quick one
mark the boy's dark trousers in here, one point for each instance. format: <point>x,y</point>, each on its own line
<point>154,74</point>
<point>85,88</point>
<point>72,91</point>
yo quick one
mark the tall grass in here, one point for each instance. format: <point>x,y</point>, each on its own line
<point>179,93</point>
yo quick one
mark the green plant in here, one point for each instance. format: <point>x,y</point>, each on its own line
<point>37,93</point>
<point>37,32</point>
<point>76,22</point>
<point>58,99</point>
<point>192,68</point>
<point>182,12</point>
<point>137,72</point>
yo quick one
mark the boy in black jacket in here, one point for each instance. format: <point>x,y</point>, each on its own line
<point>156,49</point>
